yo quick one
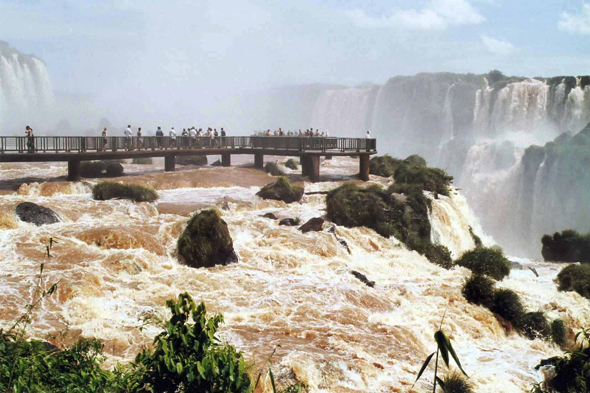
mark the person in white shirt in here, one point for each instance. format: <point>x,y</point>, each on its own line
<point>368,134</point>
<point>193,135</point>
<point>172,137</point>
<point>327,133</point>
<point>128,138</point>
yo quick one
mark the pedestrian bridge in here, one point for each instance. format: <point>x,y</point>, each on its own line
<point>75,149</point>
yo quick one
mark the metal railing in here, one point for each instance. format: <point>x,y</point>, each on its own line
<point>82,144</point>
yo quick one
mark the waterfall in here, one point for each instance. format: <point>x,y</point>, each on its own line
<point>25,88</point>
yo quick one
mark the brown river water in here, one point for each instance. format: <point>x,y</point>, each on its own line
<point>116,262</point>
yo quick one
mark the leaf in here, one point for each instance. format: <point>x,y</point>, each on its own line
<point>441,341</point>
<point>424,367</point>
<point>179,368</point>
<point>440,383</point>
<point>272,381</point>
<point>453,354</point>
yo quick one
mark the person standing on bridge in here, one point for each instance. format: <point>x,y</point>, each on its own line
<point>139,139</point>
<point>193,135</point>
<point>128,138</point>
<point>368,134</point>
<point>172,137</point>
<point>105,140</point>
<point>159,136</point>
<point>30,139</point>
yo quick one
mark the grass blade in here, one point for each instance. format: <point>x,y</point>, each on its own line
<point>424,367</point>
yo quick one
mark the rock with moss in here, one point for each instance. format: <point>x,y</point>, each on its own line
<point>112,190</point>
<point>575,278</point>
<point>273,169</point>
<point>36,214</point>
<point>567,246</point>
<point>507,304</point>
<point>92,169</point>
<point>113,168</point>
<point>315,224</point>
<point>206,241</point>
<point>488,261</point>
<point>292,164</point>
<point>281,190</point>
<point>191,160</point>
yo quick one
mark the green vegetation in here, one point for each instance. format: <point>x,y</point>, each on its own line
<point>572,372</point>
<point>281,190</point>
<point>476,239</point>
<point>575,278</point>
<point>507,304</point>
<point>111,190</point>
<point>91,169</point>
<point>400,211</point>
<point>142,161</point>
<point>535,325</point>
<point>567,246</point>
<point>559,332</point>
<point>479,289</point>
<point>292,164</point>
<point>456,383</point>
<point>206,241</point>
<point>412,170</point>
<point>488,261</point>
<point>273,169</point>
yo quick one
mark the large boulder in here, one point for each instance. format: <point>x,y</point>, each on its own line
<point>289,222</point>
<point>315,224</point>
<point>35,214</point>
<point>191,160</point>
<point>206,241</point>
<point>281,190</point>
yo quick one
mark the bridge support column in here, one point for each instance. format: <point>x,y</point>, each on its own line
<point>304,161</point>
<point>169,163</point>
<point>259,160</point>
<point>226,159</point>
<point>314,168</point>
<point>364,167</point>
<point>74,169</point>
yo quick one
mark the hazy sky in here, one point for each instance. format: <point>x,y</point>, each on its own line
<point>160,52</point>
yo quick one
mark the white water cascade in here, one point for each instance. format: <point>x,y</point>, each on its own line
<point>25,88</point>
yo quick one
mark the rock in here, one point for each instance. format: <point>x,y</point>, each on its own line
<point>281,190</point>
<point>362,278</point>
<point>191,160</point>
<point>216,163</point>
<point>290,222</point>
<point>206,241</point>
<point>315,224</point>
<point>344,244</point>
<point>270,216</point>
<point>35,214</point>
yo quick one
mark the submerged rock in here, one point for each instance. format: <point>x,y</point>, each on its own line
<point>290,222</point>
<point>315,224</point>
<point>36,214</point>
<point>362,278</point>
<point>206,241</point>
<point>216,163</point>
<point>281,190</point>
<point>191,160</point>
<point>270,216</point>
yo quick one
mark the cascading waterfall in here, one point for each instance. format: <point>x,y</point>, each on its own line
<point>25,87</point>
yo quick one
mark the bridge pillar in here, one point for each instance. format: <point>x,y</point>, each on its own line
<point>226,159</point>
<point>314,168</point>
<point>304,161</point>
<point>259,160</point>
<point>74,169</point>
<point>328,157</point>
<point>169,163</point>
<point>364,167</point>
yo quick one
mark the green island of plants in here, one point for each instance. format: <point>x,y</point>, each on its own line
<point>575,278</point>
<point>412,170</point>
<point>112,190</point>
<point>400,210</point>
<point>486,260</point>
<point>281,190</point>
<point>292,164</point>
<point>567,246</point>
<point>273,169</point>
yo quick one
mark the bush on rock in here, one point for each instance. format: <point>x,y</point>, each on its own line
<point>273,169</point>
<point>488,261</point>
<point>111,190</point>
<point>567,246</point>
<point>575,278</point>
<point>292,164</point>
<point>206,241</point>
<point>281,190</point>
<point>535,325</point>
<point>479,289</point>
<point>507,304</point>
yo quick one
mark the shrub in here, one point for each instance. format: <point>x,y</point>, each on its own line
<point>142,161</point>
<point>292,164</point>
<point>558,332</point>
<point>192,160</point>
<point>92,168</point>
<point>507,304</point>
<point>456,383</point>
<point>113,168</point>
<point>384,166</point>
<point>415,159</point>
<point>567,246</point>
<point>479,289</point>
<point>273,169</point>
<point>111,190</point>
<point>535,325</point>
<point>476,239</point>
<point>281,190</point>
<point>189,357</point>
<point>575,278</point>
<point>484,260</point>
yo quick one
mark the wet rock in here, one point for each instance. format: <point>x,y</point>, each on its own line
<point>281,190</point>
<point>206,241</point>
<point>191,160</point>
<point>36,214</point>
<point>344,244</point>
<point>315,224</point>
<point>290,222</point>
<point>362,278</point>
<point>216,163</point>
<point>270,216</point>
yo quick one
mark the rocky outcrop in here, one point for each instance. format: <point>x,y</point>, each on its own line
<point>270,216</point>
<point>191,160</point>
<point>315,224</point>
<point>290,222</point>
<point>206,241</point>
<point>362,278</point>
<point>36,214</point>
<point>281,190</point>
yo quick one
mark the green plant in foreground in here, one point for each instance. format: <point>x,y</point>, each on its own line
<point>444,348</point>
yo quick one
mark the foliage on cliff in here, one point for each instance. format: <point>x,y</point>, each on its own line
<point>567,246</point>
<point>400,211</point>
<point>575,278</point>
<point>111,190</point>
<point>412,170</point>
<point>281,190</point>
<point>487,261</point>
<point>206,241</point>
